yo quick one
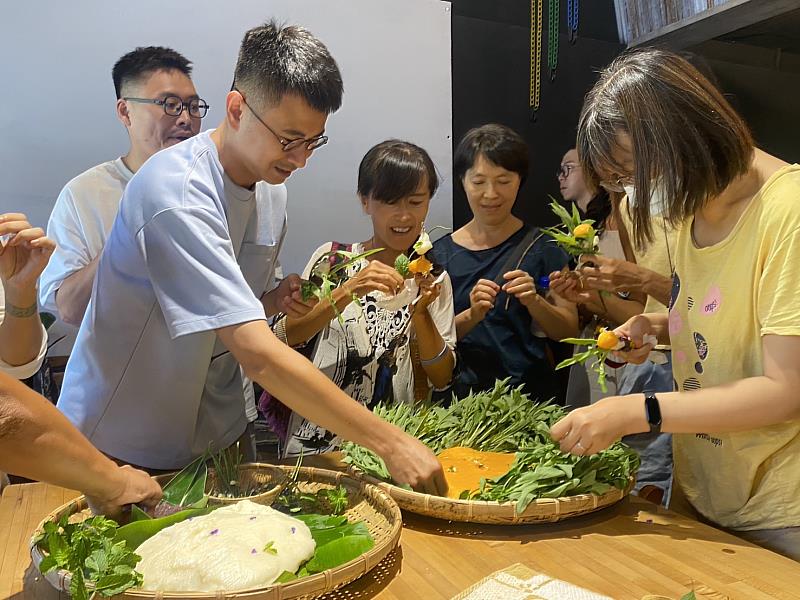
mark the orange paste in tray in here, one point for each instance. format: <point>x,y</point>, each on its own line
<point>464,468</point>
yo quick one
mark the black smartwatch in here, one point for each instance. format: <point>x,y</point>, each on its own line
<point>653,412</point>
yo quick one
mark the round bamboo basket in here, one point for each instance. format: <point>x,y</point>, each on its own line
<point>546,510</point>
<point>368,503</point>
<point>269,478</point>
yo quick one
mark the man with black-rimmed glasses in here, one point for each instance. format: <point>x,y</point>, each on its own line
<point>159,106</point>
<point>182,295</point>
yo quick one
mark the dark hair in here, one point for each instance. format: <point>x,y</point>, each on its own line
<point>393,170</point>
<point>144,60</point>
<point>278,60</point>
<point>681,128</point>
<point>599,209</point>
<point>500,145</point>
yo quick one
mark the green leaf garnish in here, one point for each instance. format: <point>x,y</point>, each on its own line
<point>401,265</point>
<point>269,548</point>
<point>564,234</point>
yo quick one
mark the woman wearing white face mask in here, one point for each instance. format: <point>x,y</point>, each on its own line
<point>734,320</point>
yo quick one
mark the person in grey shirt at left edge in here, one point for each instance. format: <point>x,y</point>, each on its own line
<point>183,275</point>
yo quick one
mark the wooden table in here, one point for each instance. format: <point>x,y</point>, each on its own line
<point>625,552</point>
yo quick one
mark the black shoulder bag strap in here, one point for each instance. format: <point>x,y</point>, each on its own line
<point>514,259</point>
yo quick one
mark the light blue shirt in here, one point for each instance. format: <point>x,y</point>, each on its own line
<point>148,381</point>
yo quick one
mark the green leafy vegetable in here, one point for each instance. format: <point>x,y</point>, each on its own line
<point>90,551</point>
<point>293,500</point>
<point>545,471</point>
<point>337,498</point>
<point>504,420</point>
<point>325,528</point>
<point>338,541</point>
<point>285,576</point>
<point>689,596</point>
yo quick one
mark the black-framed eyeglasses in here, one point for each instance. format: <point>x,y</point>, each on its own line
<point>564,170</point>
<point>288,145</point>
<point>174,106</point>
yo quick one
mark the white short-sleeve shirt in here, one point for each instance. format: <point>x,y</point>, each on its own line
<point>80,224</point>
<point>148,381</point>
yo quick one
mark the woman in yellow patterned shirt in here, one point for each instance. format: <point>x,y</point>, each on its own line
<point>654,126</point>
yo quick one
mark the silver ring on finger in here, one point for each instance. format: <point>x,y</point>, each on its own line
<point>579,445</point>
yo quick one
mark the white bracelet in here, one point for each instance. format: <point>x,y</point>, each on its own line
<point>432,361</point>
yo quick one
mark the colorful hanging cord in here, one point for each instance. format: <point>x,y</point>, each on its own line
<point>536,57</point>
<point>573,8</point>
<point>552,38</point>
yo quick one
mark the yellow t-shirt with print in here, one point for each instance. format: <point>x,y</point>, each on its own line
<point>724,299</point>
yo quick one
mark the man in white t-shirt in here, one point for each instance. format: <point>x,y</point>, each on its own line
<point>184,269</point>
<point>159,106</point>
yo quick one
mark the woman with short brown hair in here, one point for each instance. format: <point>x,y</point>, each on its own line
<point>654,127</point>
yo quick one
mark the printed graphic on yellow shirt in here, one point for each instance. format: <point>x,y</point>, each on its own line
<point>725,298</point>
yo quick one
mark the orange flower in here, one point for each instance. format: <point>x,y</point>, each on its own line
<point>607,340</point>
<point>420,266</point>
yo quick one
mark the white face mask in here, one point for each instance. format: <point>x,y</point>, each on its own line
<point>658,196</point>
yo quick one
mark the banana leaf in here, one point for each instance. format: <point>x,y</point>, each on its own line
<point>338,552</point>
<point>137,514</point>
<point>187,488</point>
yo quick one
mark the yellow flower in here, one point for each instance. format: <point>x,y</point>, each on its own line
<point>584,230</point>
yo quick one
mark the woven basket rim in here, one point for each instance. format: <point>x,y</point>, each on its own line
<point>249,466</point>
<point>499,512</point>
<point>304,587</point>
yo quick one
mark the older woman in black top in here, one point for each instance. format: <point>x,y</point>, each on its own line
<point>499,266</point>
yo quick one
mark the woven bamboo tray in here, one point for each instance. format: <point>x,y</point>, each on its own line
<point>547,510</point>
<point>367,502</point>
<point>267,477</point>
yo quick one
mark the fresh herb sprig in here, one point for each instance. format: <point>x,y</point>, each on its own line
<point>325,278</point>
<point>599,348</point>
<point>87,549</point>
<point>606,343</point>
<point>575,236</point>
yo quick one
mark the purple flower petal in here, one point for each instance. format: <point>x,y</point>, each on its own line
<point>214,532</point>
<point>253,551</point>
<point>293,530</point>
